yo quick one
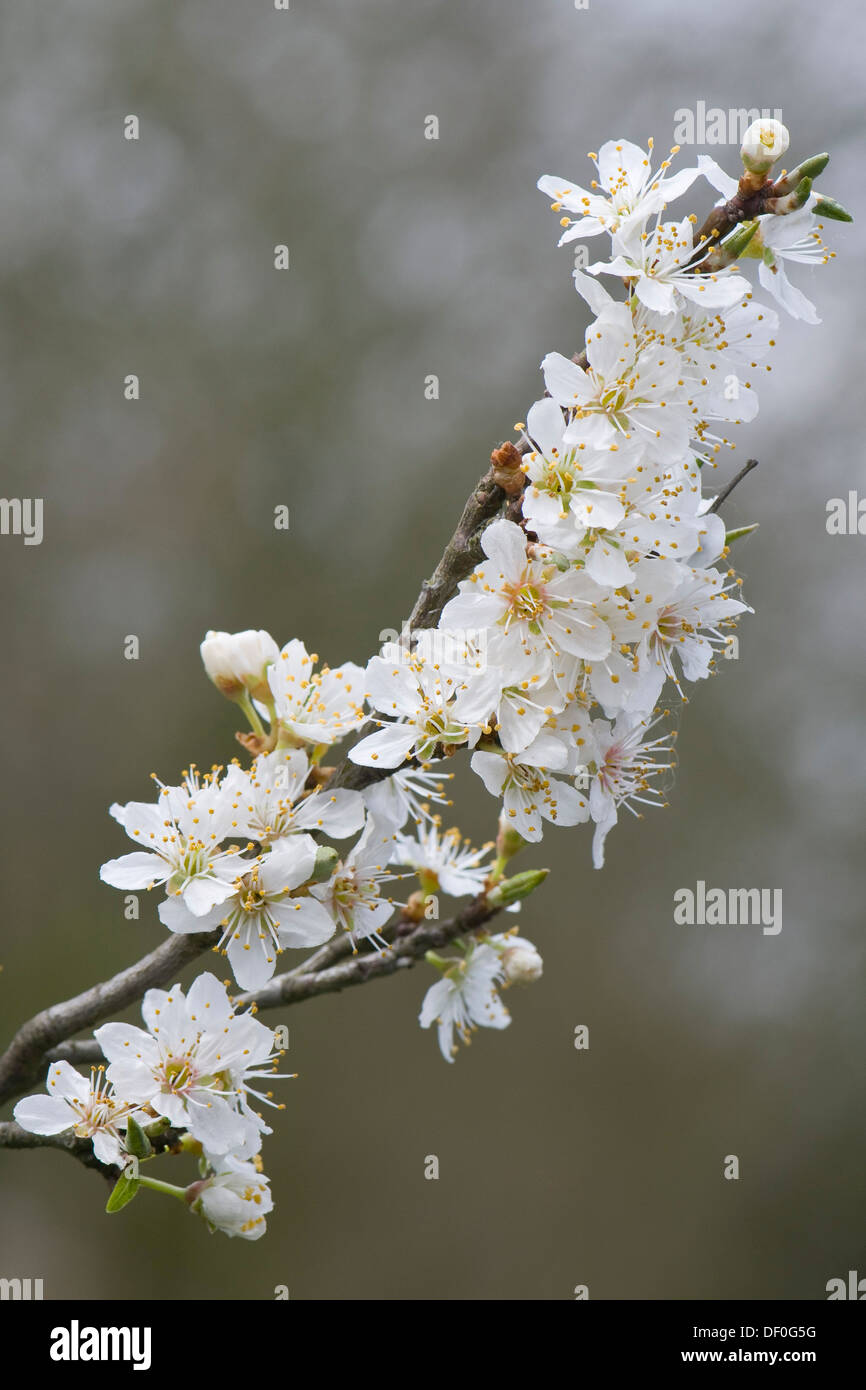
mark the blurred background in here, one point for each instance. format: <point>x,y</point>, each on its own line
<point>305,388</point>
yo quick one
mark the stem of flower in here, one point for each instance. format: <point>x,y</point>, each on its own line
<point>249,709</point>
<point>168,1187</point>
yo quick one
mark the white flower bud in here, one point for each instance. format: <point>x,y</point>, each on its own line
<point>238,661</point>
<point>763,144</point>
<point>522,963</point>
<point>237,1202</point>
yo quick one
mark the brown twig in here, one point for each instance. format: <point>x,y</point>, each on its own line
<point>725,494</point>
<point>405,952</point>
<point>23,1062</point>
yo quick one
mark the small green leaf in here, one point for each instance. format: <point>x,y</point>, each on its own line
<point>137,1142</point>
<point>735,245</point>
<point>809,168</point>
<point>124,1190</point>
<point>740,531</point>
<point>828,207</point>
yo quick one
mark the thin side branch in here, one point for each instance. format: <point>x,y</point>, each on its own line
<point>726,492</point>
<point>410,945</point>
<point>23,1063</point>
<point>459,558</point>
<point>405,952</point>
<point>12,1136</point>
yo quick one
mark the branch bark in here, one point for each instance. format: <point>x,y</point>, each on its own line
<point>726,492</point>
<point>12,1136</point>
<point>46,1036</point>
<point>410,945</point>
<point>459,558</point>
<point>406,950</point>
<point>23,1063</point>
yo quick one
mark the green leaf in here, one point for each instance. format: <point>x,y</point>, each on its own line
<point>735,245</point>
<point>828,207</point>
<point>124,1190</point>
<point>739,531</point>
<point>137,1142</point>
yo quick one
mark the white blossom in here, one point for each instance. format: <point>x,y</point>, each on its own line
<point>626,767</point>
<point>537,608</point>
<point>628,394</point>
<point>764,143</point>
<point>795,238</point>
<point>406,794</point>
<point>529,788</point>
<point>318,707</point>
<point>664,269</point>
<point>430,708</point>
<point>443,860</point>
<point>90,1108</point>
<point>195,1063</point>
<point>521,961</point>
<point>466,998</point>
<point>352,895</point>
<point>236,1201</point>
<point>182,836</point>
<point>262,918</point>
<point>625,194</point>
<point>275,801</point>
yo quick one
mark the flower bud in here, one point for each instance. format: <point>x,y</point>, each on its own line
<point>508,842</point>
<point>326,862</point>
<point>763,144</point>
<point>522,963</point>
<point>234,1202</point>
<point>512,890</point>
<point>237,662</point>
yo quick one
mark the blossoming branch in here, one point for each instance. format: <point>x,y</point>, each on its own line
<point>586,590</point>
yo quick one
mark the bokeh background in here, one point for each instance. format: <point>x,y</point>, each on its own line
<point>306,388</point>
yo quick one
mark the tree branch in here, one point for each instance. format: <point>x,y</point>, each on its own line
<point>45,1037</point>
<point>23,1063</point>
<point>725,494</point>
<point>410,945</point>
<point>12,1136</point>
<point>459,558</point>
<point>407,949</point>
<point>325,972</point>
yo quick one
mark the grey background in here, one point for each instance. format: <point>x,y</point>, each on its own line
<point>411,257</point>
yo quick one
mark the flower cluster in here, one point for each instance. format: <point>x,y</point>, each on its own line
<point>188,1079</point>
<point>609,590</point>
<point>603,592</point>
